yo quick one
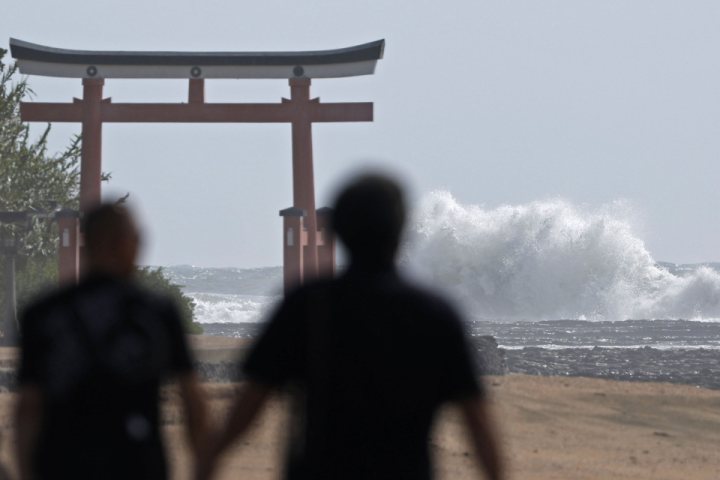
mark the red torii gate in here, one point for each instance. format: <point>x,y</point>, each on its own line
<point>309,248</point>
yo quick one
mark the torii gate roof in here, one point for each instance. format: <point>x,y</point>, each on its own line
<point>35,59</point>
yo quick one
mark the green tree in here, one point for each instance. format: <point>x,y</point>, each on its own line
<point>29,178</point>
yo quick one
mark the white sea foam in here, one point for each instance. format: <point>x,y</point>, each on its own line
<point>545,260</point>
<point>229,308</point>
<point>549,260</point>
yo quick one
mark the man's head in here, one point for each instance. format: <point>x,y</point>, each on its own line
<point>369,217</point>
<point>112,240</point>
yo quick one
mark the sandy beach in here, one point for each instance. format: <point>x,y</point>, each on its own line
<point>553,428</point>
<point>573,428</point>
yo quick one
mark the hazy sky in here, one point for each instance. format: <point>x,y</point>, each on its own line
<point>497,102</point>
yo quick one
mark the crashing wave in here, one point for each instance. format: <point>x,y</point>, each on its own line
<point>550,260</point>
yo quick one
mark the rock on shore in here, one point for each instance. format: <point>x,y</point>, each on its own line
<point>489,359</point>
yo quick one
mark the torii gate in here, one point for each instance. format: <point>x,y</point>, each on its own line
<point>308,247</point>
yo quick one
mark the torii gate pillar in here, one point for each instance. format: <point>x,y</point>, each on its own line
<point>69,246</point>
<point>294,240</point>
<point>303,175</point>
<point>326,250</point>
<point>91,159</point>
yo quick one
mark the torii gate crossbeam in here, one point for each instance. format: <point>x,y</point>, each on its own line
<point>300,111</point>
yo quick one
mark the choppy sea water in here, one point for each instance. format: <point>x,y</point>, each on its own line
<point>515,272</point>
<point>562,334</point>
<point>242,314</point>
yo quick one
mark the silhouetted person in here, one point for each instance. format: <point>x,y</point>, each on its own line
<point>93,356</point>
<point>370,357</point>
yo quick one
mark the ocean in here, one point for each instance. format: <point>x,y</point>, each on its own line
<point>549,274</point>
<point>235,301</point>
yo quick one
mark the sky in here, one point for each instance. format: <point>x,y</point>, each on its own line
<point>496,102</point>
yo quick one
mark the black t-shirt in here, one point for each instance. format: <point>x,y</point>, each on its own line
<point>98,351</point>
<point>372,358</point>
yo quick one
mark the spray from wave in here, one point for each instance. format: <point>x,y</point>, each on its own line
<point>228,308</point>
<point>550,260</point>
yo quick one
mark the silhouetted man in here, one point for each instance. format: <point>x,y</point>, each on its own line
<point>371,356</point>
<point>93,356</point>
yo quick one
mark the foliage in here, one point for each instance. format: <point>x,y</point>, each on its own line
<point>34,275</point>
<point>156,281</point>
<point>29,177</point>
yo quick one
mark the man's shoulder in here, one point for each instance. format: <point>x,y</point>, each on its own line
<point>94,289</point>
<point>424,294</point>
<point>130,289</point>
<point>148,295</point>
<point>393,288</point>
<point>422,297</point>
